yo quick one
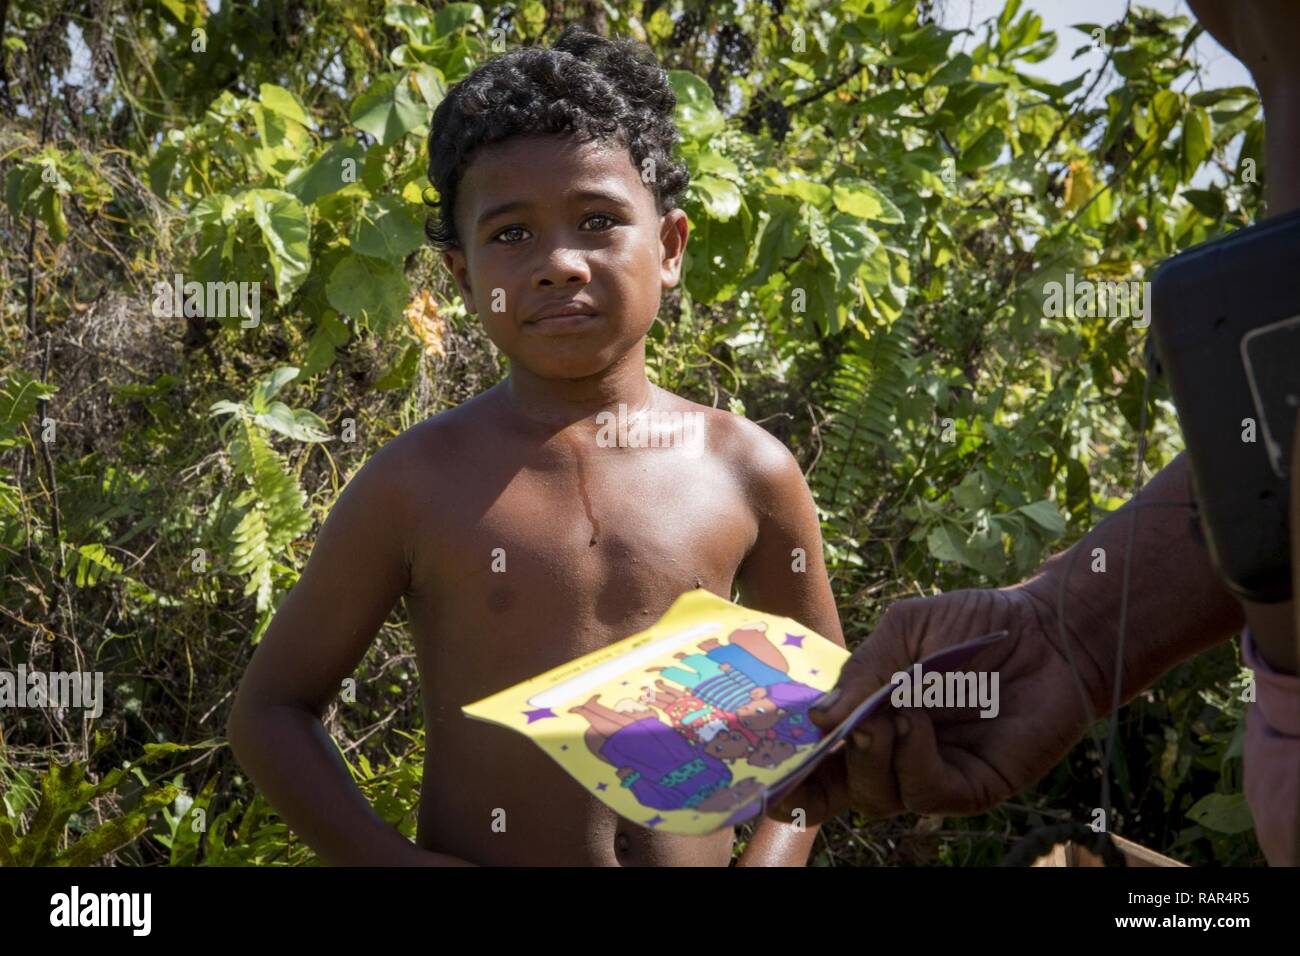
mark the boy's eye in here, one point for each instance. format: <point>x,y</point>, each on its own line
<point>508,231</point>
<point>601,215</point>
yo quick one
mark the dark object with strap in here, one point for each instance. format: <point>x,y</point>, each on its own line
<point>1226,330</point>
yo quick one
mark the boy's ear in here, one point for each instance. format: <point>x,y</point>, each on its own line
<point>454,260</point>
<point>674,230</point>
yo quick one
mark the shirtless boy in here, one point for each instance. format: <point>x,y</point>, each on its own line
<point>540,159</point>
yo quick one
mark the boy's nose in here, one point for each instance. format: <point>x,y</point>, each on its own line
<point>562,267</point>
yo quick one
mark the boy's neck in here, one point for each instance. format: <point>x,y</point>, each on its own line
<point>560,403</point>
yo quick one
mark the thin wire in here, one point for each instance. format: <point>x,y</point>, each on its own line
<point>1123,598</point>
<point>1070,560</point>
<point>1132,506</point>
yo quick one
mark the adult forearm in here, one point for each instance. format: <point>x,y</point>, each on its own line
<point>1177,606</point>
<point>290,757</point>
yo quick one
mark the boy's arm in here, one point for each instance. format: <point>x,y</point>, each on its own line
<point>357,571</point>
<point>770,580</point>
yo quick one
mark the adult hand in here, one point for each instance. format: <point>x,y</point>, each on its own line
<point>953,761</point>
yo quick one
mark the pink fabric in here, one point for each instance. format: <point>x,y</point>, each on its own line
<point>1272,757</point>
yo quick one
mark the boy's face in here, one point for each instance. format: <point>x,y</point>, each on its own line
<point>547,222</point>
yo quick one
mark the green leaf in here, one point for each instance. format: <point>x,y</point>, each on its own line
<point>286,234</point>
<point>270,386</point>
<point>300,424</point>
<point>697,116</point>
<point>947,543</point>
<point>956,70</point>
<point>718,196</point>
<point>1046,515</point>
<point>118,832</point>
<point>19,395</point>
<point>388,228</point>
<point>279,100</point>
<point>388,109</point>
<point>330,334</point>
<point>1222,812</point>
<point>402,374</point>
<point>1208,202</point>
<point>187,13</point>
<point>857,197</point>
<point>413,19</point>
<point>983,151</point>
<point>974,491</point>
<point>337,167</point>
<point>361,286</point>
<point>51,206</point>
<point>1196,140</point>
<point>781,184</point>
<point>851,245</point>
<point>457,16</point>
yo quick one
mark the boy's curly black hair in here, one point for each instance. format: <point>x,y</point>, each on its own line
<point>585,85</point>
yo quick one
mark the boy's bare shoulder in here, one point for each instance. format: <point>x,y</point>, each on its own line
<point>414,475</point>
<point>437,440</point>
<point>752,453</point>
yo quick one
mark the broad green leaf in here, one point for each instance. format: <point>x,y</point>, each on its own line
<point>457,16</point>
<point>720,197</point>
<point>850,245</point>
<point>1165,107</point>
<point>859,198</point>
<point>119,831</point>
<point>800,188</point>
<point>974,491</point>
<point>413,19</point>
<point>269,386</point>
<point>1222,813</point>
<point>780,240</point>
<point>330,334</point>
<point>388,109</point>
<point>361,286</point>
<point>337,167</point>
<point>279,100</point>
<point>388,228</point>
<point>1208,202</point>
<point>947,543</point>
<point>983,151</point>
<point>286,233</point>
<point>697,115</point>
<point>1046,515</point>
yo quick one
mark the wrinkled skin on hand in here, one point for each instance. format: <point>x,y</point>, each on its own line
<point>952,761</point>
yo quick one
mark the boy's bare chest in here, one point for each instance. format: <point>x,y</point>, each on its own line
<point>580,555</point>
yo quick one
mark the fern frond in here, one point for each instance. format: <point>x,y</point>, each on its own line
<point>92,563</point>
<point>865,391</point>
<point>276,511</point>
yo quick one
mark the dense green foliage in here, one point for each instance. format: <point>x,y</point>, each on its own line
<point>874,218</point>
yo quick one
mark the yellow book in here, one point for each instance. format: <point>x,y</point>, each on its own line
<point>694,724</point>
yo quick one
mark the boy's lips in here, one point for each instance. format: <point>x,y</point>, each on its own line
<point>562,318</point>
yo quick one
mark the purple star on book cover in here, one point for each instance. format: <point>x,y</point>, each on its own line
<point>795,640</point>
<point>541,713</point>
